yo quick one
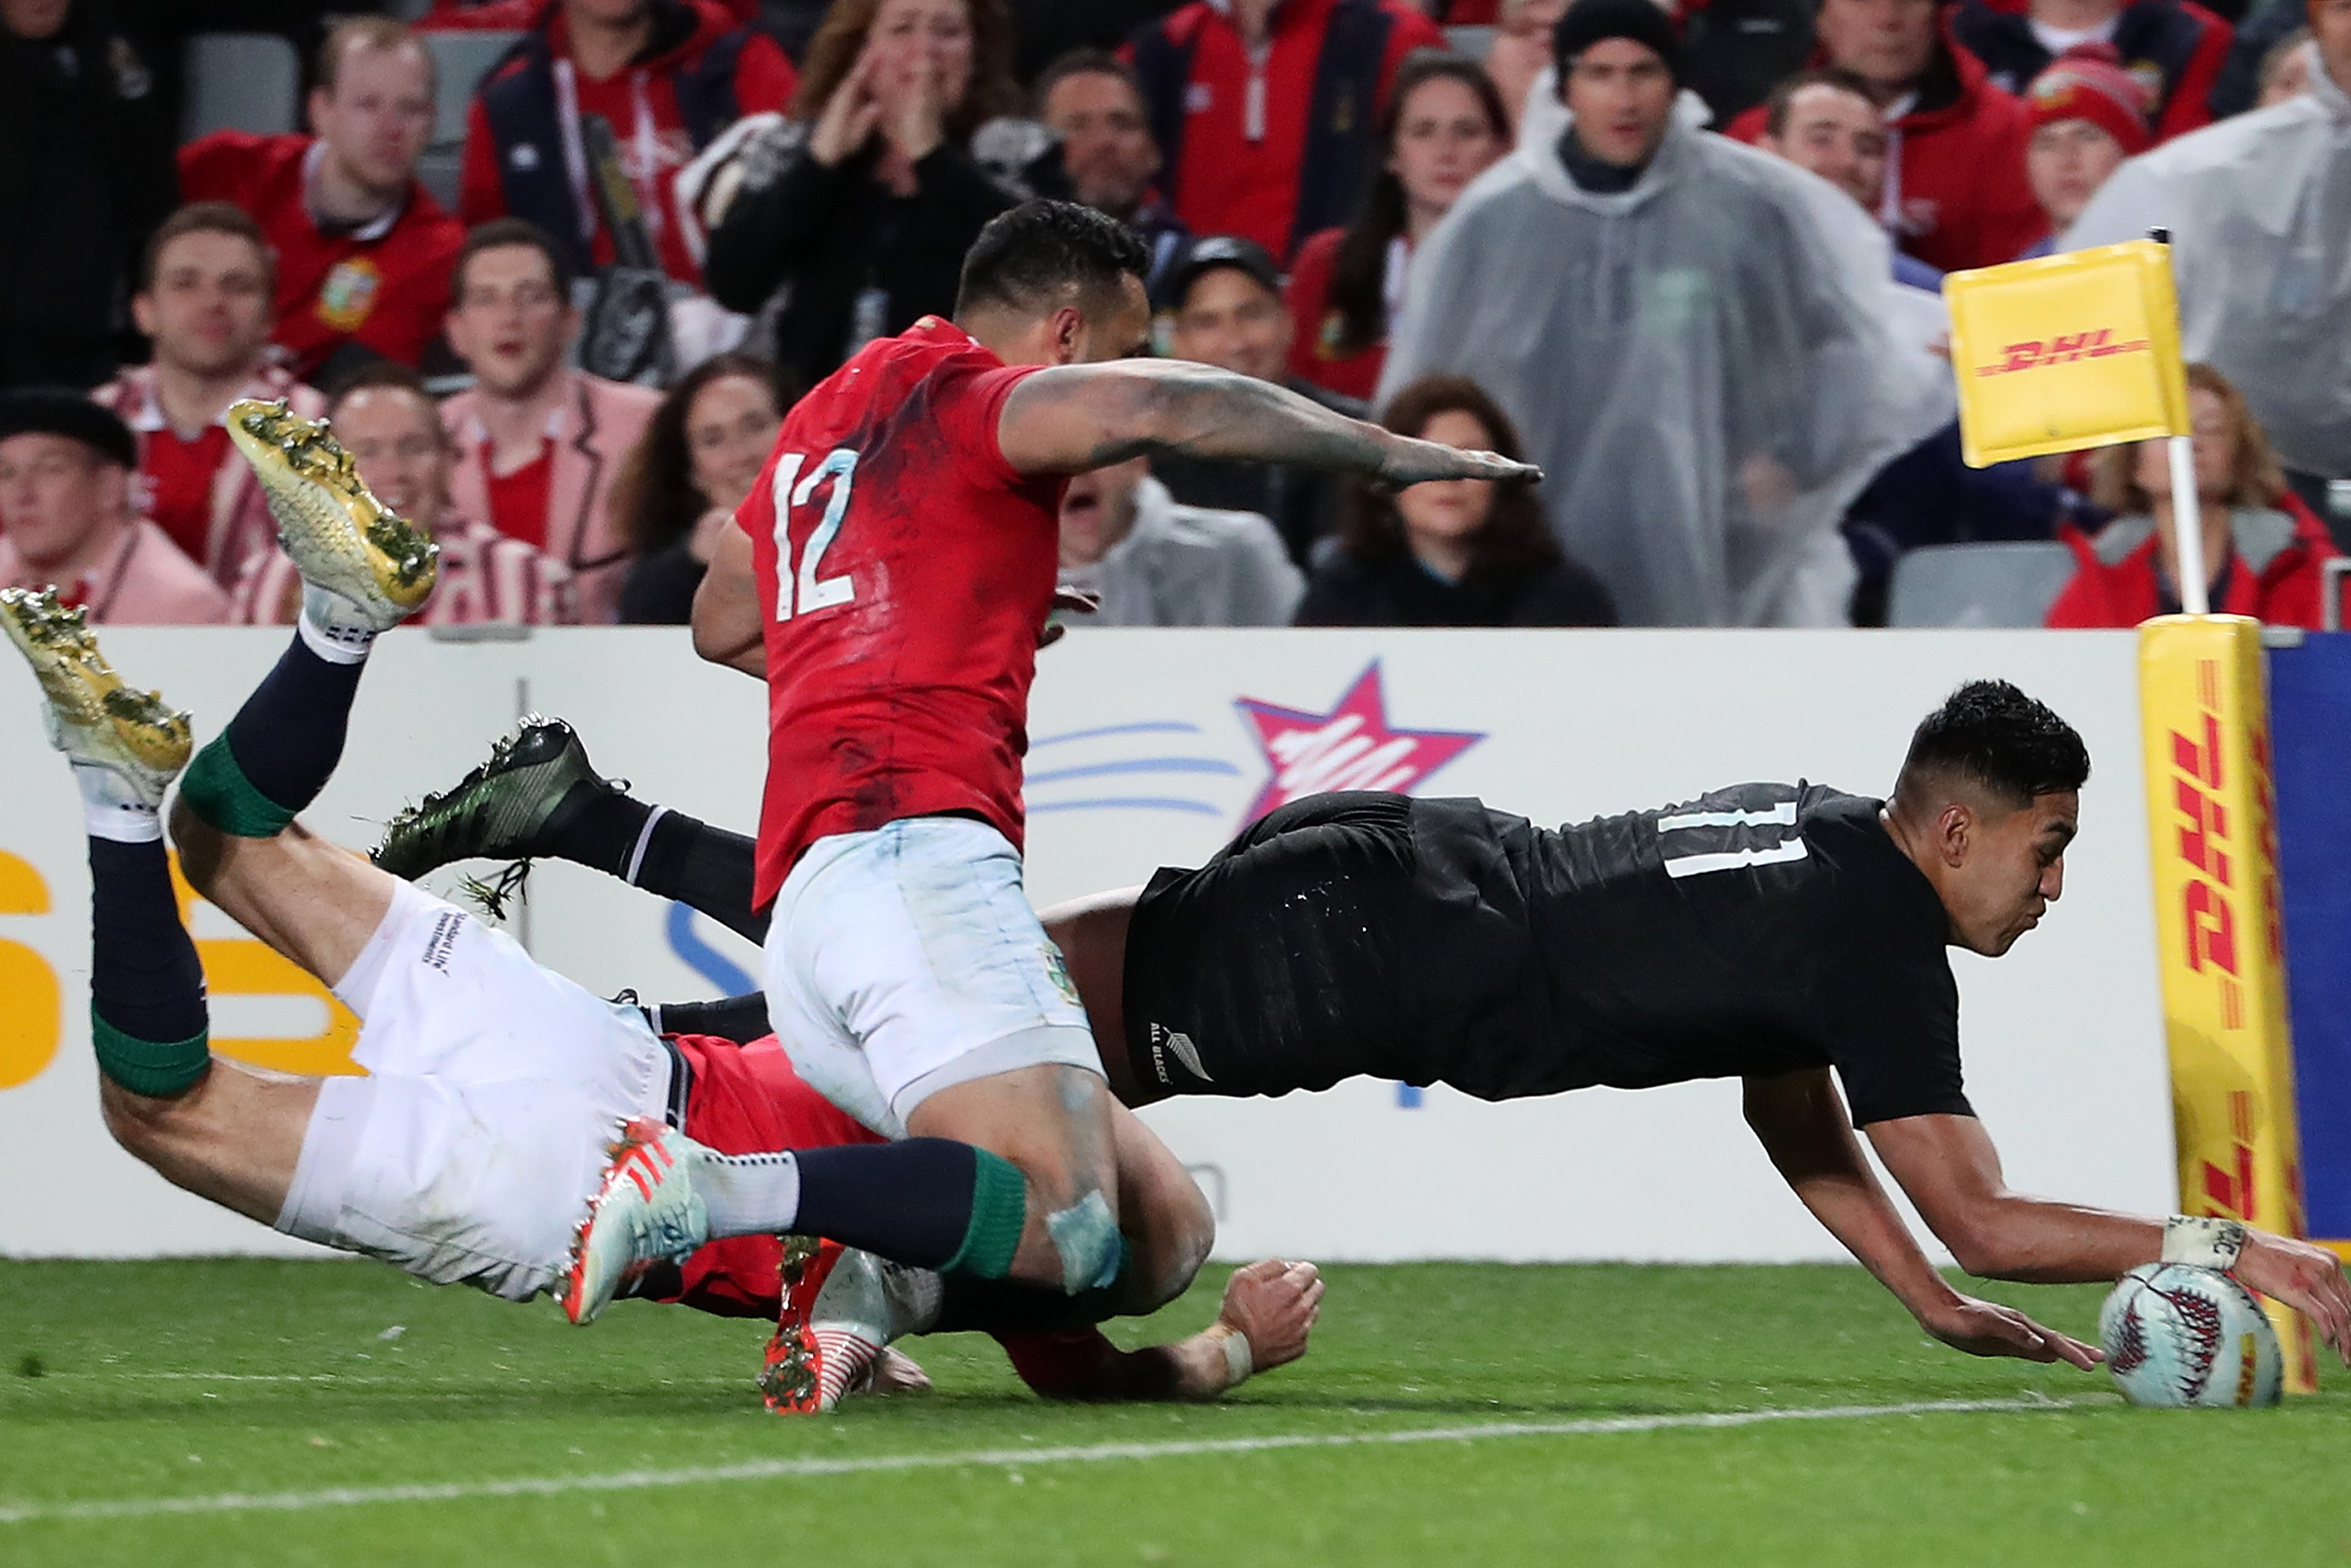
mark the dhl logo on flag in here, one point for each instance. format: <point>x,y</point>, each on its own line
<point>2211,812</point>
<point>2061,350</point>
<point>2098,332</point>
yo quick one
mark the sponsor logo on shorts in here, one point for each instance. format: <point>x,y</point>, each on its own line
<point>1174,1043</point>
<point>445,926</point>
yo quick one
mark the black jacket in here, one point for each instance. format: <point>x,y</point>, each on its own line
<point>827,236</point>
<point>85,173</point>
<point>1400,591</point>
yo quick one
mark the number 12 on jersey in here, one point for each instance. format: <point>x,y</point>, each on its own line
<point>798,592</point>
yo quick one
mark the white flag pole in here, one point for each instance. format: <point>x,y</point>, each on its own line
<point>2188,528</point>
<point>2187,515</point>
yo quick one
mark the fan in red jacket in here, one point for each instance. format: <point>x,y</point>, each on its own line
<point>2175,46</point>
<point>1956,195</point>
<point>667,75</point>
<point>1267,110</point>
<point>2264,550</point>
<point>364,253</point>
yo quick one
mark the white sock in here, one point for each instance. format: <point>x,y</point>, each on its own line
<point>333,627</point>
<point>747,1194</point>
<point>112,807</point>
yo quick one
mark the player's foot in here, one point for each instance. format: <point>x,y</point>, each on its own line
<point>341,538</point>
<point>94,718</point>
<point>645,1212</point>
<point>515,806</point>
<point>842,1308</point>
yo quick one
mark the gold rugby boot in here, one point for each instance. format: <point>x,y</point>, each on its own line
<point>93,718</point>
<point>341,537</point>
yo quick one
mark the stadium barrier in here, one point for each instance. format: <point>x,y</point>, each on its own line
<point>1150,748</point>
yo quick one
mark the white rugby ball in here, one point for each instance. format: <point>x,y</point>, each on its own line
<point>2179,1337</point>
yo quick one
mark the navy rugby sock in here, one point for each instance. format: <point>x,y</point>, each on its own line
<point>279,751</point>
<point>668,854</point>
<point>147,1018</point>
<point>933,1203</point>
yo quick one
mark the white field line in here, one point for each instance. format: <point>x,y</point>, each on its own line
<point>1001,1458</point>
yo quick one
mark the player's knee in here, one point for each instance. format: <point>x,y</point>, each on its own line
<point>139,1123</point>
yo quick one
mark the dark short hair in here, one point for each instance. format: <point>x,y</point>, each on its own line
<point>1995,737</point>
<point>498,234</point>
<point>1027,258</point>
<point>1085,61</point>
<point>207,218</point>
<point>1775,108</point>
<point>378,374</point>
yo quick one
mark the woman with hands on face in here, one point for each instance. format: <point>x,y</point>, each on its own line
<point>853,213</point>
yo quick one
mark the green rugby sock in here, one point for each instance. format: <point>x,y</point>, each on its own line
<point>154,1067</point>
<point>999,1207</point>
<point>216,789</point>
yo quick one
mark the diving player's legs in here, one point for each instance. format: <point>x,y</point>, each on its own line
<point>205,1124</point>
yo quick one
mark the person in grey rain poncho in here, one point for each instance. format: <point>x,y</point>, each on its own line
<point>1703,345</point>
<point>2260,212</point>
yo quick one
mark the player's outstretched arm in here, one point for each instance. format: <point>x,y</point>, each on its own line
<point>1071,418</point>
<point>1800,1119</point>
<point>1952,1171</point>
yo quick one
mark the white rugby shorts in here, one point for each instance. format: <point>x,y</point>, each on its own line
<point>904,960</point>
<point>495,1089</point>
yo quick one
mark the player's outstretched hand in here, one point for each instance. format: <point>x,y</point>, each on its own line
<point>1987,1328</point>
<point>1275,1304</point>
<point>2306,1278</point>
<point>1411,462</point>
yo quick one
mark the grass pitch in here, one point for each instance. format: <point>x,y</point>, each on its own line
<point>237,1412</point>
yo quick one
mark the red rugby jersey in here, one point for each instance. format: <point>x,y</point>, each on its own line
<point>904,570</point>
<point>384,286</point>
<point>746,1100</point>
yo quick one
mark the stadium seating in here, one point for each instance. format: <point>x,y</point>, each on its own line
<point>241,81</point>
<point>461,59</point>
<point>1979,584</point>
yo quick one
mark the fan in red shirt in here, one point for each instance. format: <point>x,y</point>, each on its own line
<point>202,297</point>
<point>1956,194</point>
<point>1264,110</point>
<point>666,75</point>
<point>363,252</point>
<point>892,577</point>
<point>2264,551</point>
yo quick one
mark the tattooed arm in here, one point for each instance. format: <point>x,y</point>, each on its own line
<point>1071,418</point>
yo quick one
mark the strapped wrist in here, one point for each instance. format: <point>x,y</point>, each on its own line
<point>1240,1361</point>
<point>2203,1241</point>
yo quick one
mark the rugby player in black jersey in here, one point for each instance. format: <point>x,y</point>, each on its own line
<point>1790,936</point>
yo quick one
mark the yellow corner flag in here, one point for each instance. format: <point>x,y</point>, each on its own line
<point>2067,352</point>
<point>2080,350</point>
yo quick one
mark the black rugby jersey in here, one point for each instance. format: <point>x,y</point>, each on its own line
<point>1757,930</point>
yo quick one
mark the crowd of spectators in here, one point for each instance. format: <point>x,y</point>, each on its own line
<point>1685,255</point>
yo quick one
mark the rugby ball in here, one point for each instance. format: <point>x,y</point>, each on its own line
<point>2180,1337</point>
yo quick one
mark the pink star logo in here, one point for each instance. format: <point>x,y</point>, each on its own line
<point>1352,747</point>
